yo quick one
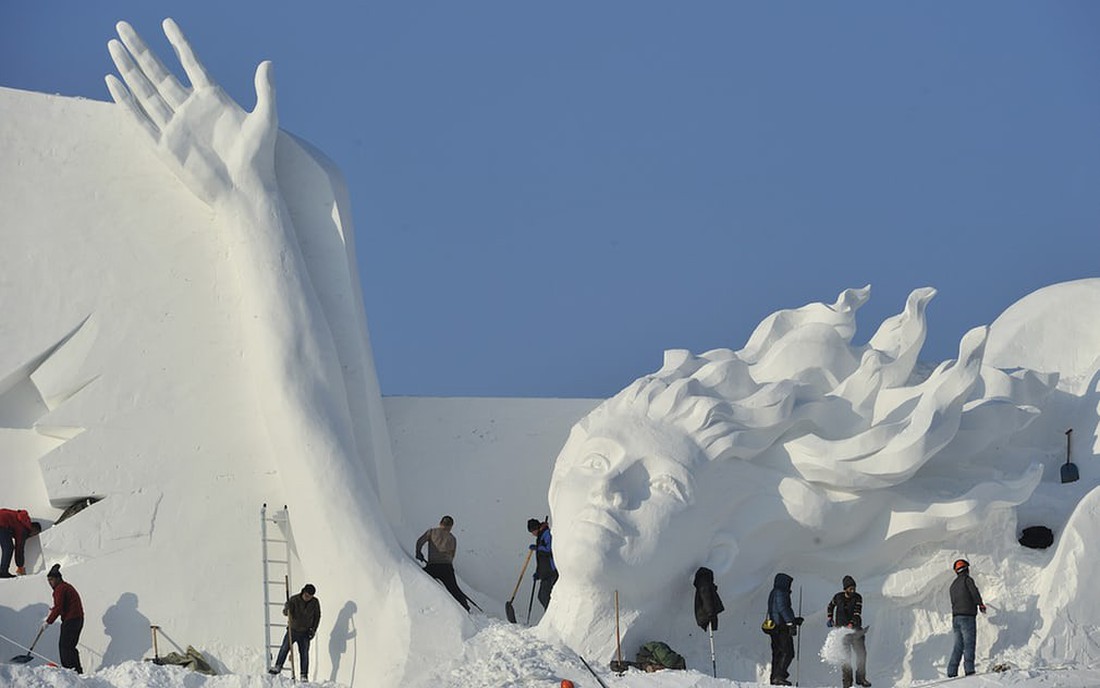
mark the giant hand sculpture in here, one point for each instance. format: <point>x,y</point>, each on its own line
<point>226,157</point>
<point>213,145</point>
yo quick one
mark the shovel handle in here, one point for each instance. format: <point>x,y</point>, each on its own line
<point>1068,433</point>
<point>521,572</point>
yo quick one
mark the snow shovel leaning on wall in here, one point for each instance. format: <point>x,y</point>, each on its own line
<point>23,659</point>
<point>1069,470</point>
<point>509,610</point>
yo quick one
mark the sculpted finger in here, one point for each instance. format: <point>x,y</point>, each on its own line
<point>169,87</point>
<point>140,87</point>
<point>121,95</point>
<point>265,93</point>
<point>191,65</point>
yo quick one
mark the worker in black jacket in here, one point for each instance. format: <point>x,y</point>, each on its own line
<point>966,602</point>
<point>845,610</point>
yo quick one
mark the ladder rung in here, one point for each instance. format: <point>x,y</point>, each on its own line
<point>276,561</point>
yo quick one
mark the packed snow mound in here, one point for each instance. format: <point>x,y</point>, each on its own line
<point>1053,329</point>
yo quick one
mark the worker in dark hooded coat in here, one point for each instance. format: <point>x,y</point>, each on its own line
<point>786,627</point>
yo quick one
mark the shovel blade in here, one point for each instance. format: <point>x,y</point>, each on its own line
<point>21,659</point>
<point>510,611</point>
<point>1069,473</point>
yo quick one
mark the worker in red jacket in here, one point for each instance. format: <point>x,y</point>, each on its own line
<point>15,527</point>
<point>67,605</point>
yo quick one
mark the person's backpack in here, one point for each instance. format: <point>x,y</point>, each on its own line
<point>658,655</point>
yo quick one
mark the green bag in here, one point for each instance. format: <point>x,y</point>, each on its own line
<point>658,654</point>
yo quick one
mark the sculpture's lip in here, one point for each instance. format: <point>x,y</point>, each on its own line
<point>602,519</point>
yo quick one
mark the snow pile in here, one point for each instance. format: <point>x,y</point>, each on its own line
<point>834,651</point>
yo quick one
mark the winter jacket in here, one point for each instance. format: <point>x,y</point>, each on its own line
<point>707,603</point>
<point>779,601</point>
<point>19,523</point>
<point>441,545</point>
<point>66,604</point>
<point>846,611</point>
<point>965,598</point>
<point>304,616</point>
<point>544,553</point>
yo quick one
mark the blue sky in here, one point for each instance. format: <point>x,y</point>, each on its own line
<point>548,195</point>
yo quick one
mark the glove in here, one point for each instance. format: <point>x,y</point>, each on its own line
<point>829,623</point>
<point>311,634</point>
<point>532,547</point>
<point>981,607</point>
<point>798,620</point>
<point>45,622</point>
<point>794,630</point>
<point>20,571</point>
<point>535,575</point>
<point>419,556</point>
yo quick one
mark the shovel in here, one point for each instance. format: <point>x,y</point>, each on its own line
<point>509,610</point>
<point>23,659</point>
<point>1069,470</point>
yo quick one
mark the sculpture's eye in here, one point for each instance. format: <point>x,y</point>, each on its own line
<point>670,486</point>
<point>596,463</point>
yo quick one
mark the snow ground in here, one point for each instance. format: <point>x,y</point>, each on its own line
<point>500,655</point>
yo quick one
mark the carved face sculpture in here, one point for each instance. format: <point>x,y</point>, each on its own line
<point>623,497</point>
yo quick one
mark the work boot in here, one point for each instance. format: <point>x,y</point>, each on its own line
<point>864,682</point>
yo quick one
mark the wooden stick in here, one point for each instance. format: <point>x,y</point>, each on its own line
<point>618,645</point>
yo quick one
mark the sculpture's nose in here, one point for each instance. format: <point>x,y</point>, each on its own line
<point>609,491</point>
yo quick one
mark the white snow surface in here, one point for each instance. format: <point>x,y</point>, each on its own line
<point>184,339</point>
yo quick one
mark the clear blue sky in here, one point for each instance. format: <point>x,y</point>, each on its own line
<point>548,195</point>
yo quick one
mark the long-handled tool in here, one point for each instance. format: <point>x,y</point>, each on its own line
<point>592,671</point>
<point>289,637</point>
<point>153,628</point>
<point>618,637</point>
<point>23,659</point>
<point>713,661</point>
<point>1069,470</point>
<point>530,603</point>
<point>798,646</point>
<point>509,610</point>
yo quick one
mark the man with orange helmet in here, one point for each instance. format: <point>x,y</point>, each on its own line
<point>966,602</point>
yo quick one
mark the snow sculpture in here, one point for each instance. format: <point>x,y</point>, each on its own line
<point>799,449</point>
<point>226,157</point>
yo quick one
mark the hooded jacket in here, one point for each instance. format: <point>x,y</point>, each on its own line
<point>707,603</point>
<point>779,601</point>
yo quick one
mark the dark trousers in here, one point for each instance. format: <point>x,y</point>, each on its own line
<point>782,652</point>
<point>66,644</point>
<point>857,644</point>
<point>966,635</point>
<point>301,639</point>
<point>546,584</point>
<point>7,544</point>
<point>445,574</point>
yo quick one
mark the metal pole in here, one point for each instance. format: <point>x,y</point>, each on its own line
<point>713,661</point>
<point>798,647</point>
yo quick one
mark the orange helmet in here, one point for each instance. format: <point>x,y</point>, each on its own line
<point>566,683</point>
<point>961,565</point>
